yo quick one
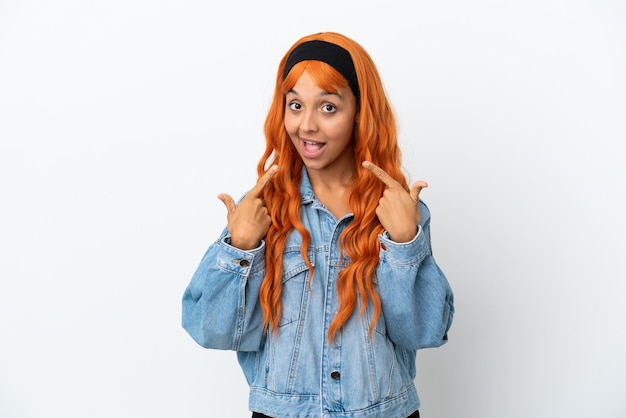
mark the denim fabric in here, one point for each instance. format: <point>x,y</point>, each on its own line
<point>298,372</point>
<point>415,414</point>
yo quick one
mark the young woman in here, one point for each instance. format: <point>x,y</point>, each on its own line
<point>324,281</point>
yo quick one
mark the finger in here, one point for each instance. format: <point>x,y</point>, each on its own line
<point>416,188</point>
<point>381,174</point>
<point>265,178</point>
<point>228,202</point>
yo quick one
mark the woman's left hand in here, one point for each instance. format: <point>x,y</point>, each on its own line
<point>398,210</point>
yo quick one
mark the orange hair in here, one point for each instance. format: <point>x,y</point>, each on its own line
<point>374,140</point>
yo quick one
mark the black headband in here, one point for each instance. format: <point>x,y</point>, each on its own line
<point>327,52</point>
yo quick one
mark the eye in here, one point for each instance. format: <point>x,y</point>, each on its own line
<point>294,106</point>
<point>328,108</point>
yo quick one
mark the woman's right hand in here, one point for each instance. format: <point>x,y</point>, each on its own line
<point>249,221</point>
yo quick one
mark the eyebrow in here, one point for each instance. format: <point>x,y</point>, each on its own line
<point>322,93</point>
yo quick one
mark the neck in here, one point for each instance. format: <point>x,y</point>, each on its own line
<point>331,180</point>
<point>332,190</point>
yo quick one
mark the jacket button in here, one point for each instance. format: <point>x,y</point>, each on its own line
<point>335,375</point>
<point>244,263</point>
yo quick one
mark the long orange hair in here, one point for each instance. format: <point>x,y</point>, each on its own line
<point>374,140</point>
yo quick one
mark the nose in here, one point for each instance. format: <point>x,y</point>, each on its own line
<point>308,122</point>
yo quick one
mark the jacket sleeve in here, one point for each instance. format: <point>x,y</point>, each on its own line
<point>417,300</point>
<point>220,306</point>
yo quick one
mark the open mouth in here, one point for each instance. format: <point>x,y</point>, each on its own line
<point>312,148</point>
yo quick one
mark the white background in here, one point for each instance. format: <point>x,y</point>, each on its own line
<point>121,120</point>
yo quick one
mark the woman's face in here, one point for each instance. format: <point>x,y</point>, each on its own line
<point>320,126</point>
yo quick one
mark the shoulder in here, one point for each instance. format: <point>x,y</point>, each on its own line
<point>424,210</point>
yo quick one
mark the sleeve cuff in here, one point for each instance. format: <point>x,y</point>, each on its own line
<point>241,262</point>
<point>409,252</point>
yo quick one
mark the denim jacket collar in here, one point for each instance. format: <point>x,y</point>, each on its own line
<point>306,190</point>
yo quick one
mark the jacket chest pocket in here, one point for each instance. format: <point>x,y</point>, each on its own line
<point>295,291</point>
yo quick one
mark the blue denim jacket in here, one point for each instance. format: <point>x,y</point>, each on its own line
<point>297,372</point>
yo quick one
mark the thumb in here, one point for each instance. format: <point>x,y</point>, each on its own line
<point>228,202</point>
<point>416,188</point>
